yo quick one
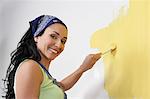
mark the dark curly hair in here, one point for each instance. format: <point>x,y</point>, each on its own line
<point>26,49</point>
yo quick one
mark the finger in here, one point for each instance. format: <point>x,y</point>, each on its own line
<point>98,55</point>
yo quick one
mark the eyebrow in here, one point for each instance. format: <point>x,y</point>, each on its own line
<point>59,34</point>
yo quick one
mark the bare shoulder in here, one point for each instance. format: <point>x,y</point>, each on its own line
<point>28,80</point>
<point>30,70</point>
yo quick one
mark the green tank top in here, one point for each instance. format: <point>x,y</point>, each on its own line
<point>48,89</point>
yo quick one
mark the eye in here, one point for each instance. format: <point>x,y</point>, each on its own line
<point>63,41</point>
<point>53,36</point>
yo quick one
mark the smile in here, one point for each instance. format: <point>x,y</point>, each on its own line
<point>52,50</point>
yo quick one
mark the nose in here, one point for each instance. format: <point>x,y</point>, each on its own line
<point>59,45</point>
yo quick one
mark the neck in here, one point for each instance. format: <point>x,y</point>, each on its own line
<point>45,61</point>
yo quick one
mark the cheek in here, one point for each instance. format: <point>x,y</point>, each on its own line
<point>62,49</point>
<point>41,44</point>
<point>50,42</point>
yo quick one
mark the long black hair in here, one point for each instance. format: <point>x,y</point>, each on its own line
<point>26,49</point>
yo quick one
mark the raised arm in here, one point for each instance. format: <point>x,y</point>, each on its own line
<point>87,64</point>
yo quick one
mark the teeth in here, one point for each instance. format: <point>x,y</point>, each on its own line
<point>54,51</point>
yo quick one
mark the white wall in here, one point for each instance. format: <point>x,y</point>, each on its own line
<point>83,17</point>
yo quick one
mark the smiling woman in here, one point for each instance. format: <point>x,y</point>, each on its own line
<point>28,76</point>
<point>52,42</point>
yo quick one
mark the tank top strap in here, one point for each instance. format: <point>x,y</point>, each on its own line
<point>51,78</point>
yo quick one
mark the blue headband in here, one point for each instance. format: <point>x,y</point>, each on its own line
<point>42,22</point>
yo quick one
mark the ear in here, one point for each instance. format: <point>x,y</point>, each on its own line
<point>36,39</point>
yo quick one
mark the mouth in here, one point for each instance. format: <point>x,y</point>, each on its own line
<point>54,51</point>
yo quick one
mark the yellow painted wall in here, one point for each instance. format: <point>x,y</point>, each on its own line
<point>127,71</point>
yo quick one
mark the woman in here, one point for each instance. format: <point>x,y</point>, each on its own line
<point>27,76</point>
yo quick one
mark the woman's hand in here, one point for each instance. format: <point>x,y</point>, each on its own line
<point>89,61</point>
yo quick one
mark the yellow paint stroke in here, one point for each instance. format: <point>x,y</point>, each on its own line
<point>127,72</point>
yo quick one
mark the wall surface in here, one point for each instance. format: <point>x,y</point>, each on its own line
<point>127,69</point>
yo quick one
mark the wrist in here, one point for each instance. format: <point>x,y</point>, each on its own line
<point>81,70</point>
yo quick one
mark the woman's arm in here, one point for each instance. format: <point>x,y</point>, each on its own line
<point>87,64</point>
<point>28,80</point>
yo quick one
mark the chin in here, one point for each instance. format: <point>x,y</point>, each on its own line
<point>51,57</point>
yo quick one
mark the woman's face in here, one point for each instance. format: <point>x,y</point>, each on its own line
<point>52,42</point>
